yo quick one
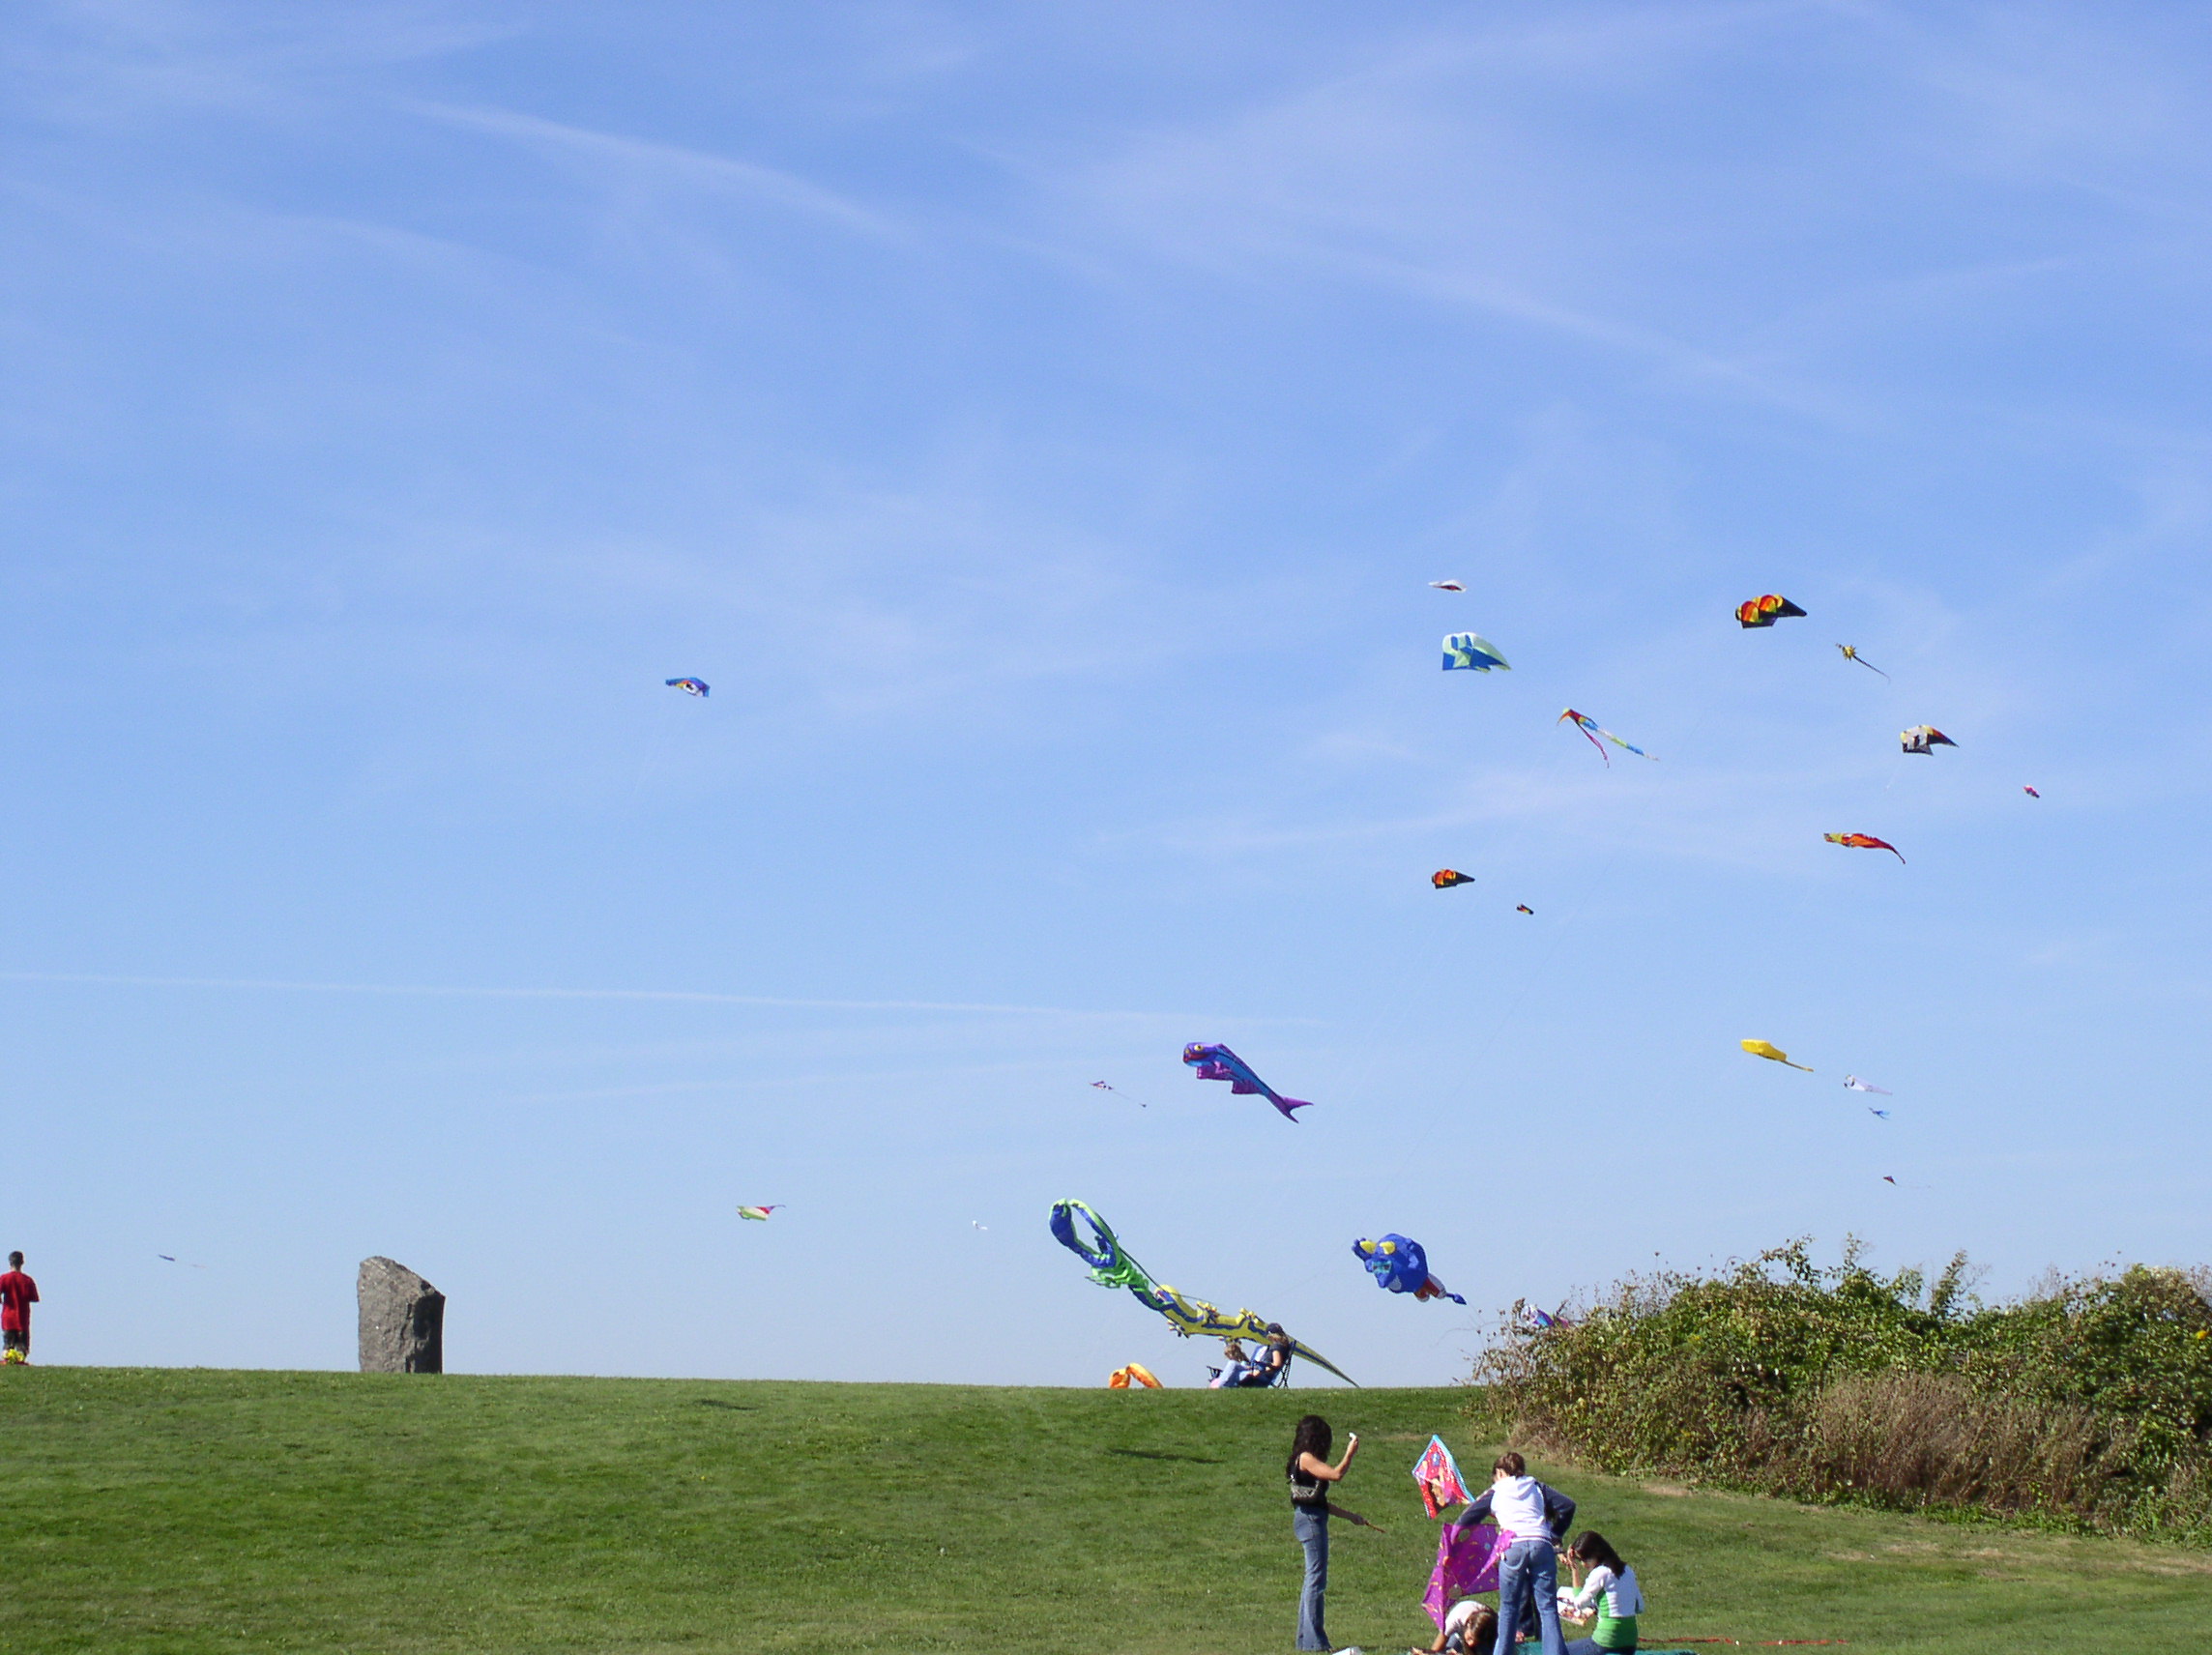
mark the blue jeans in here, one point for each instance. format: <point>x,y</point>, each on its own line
<point>1535,1563</point>
<point>1311,1530</point>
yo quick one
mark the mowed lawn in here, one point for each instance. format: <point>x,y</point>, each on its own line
<point>184,1511</point>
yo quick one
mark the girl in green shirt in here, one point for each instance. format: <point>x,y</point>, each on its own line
<point>1610,1590</point>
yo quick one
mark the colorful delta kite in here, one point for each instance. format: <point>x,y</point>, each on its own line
<point>1524,908</point>
<point>1858,1085</point>
<point>1443,879</point>
<point>1772,1053</point>
<point>1766,611</point>
<point>1923,739</point>
<point>1592,730</point>
<point>1447,586</point>
<point>689,686</point>
<point>1398,1265</point>
<point>1111,1267</point>
<point>1852,654</point>
<point>1436,1473</point>
<point>1864,842</point>
<point>1467,650</point>
<point>1220,1063</point>
<point>759,1212</point>
<point>2031,792</point>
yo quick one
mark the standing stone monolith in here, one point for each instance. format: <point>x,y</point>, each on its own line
<point>403,1320</point>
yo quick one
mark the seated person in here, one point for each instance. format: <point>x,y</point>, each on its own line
<point>1237,1366</point>
<point>1469,1628</point>
<point>1611,1591</point>
<point>1273,1360</point>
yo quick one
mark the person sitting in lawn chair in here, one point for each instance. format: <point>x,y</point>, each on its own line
<point>1271,1369</point>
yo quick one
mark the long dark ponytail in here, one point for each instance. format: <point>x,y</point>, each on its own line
<point>1312,1437</point>
<point>1594,1549</point>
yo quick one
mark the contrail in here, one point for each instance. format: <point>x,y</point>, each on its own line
<point>696,996</point>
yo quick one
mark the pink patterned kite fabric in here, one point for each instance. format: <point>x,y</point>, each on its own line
<point>1467,1561</point>
<point>1438,1474</point>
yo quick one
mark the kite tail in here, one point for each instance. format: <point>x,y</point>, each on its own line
<point>1898,854</point>
<point>1287,1104</point>
<point>1801,1065</point>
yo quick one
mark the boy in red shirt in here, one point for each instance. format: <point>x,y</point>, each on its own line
<point>17,1294</point>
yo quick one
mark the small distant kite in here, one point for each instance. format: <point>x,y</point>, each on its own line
<point>689,686</point>
<point>1858,1085</point>
<point>1592,730</point>
<point>1220,1063</point>
<point>1467,650</point>
<point>1850,653</point>
<point>1887,1179</point>
<point>1443,879</point>
<point>1884,1113</point>
<point>1102,1085</point>
<point>1447,586</point>
<point>1923,739</point>
<point>1542,1321</point>
<point>1772,1053</point>
<point>2031,792</point>
<point>1766,611</point>
<point>977,1224</point>
<point>1398,1265</point>
<point>1524,908</point>
<point>759,1212</point>
<point>171,1258</point>
<point>1864,842</point>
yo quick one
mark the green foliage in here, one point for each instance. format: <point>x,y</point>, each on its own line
<point>2089,1402</point>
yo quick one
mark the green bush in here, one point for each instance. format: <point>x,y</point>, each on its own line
<point>2089,1402</point>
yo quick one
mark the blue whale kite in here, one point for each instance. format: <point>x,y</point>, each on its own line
<point>1220,1063</point>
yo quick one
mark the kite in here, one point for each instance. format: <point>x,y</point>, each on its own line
<point>1467,650</point>
<point>1772,1052</point>
<point>1923,739</point>
<point>759,1212</point>
<point>1884,1113</point>
<point>1111,1267</point>
<point>1118,1379</point>
<point>689,686</point>
<point>977,1224</point>
<point>1887,1179</point>
<point>1447,586</point>
<point>1102,1085</point>
<point>1524,908</point>
<point>1220,1063</point>
<point>2031,792</point>
<point>1591,729</point>
<point>1766,611</point>
<point>1850,653</point>
<point>1864,842</point>
<point>1443,879</point>
<point>1398,1265</point>
<point>174,1260</point>
<point>1467,1554</point>
<point>1436,1473</point>
<point>1858,1085</point>
<point>1543,1321</point>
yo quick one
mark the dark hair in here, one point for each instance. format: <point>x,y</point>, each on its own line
<point>16,1259</point>
<point>1481,1635</point>
<point>1511,1464</point>
<point>1312,1437</point>
<point>1592,1547</point>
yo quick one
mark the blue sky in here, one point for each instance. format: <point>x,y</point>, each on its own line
<point>1039,425</point>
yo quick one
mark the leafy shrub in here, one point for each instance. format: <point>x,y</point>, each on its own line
<point>2088,1402</point>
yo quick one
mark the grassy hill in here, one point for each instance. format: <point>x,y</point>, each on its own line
<point>185,1511</point>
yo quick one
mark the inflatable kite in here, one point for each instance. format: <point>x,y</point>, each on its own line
<point>1118,1379</point>
<point>1864,842</point>
<point>1592,730</point>
<point>759,1212</point>
<point>1111,1267</point>
<point>1447,586</point>
<point>1443,879</point>
<point>2031,792</point>
<point>1766,611</point>
<point>1524,908</point>
<point>1923,739</point>
<point>1858,1085</point>
<point>1852,654</point>
<point>1398,1265</point>
<point>1466,649</point>
<point>1220,1063</point>
<point>1772,1053</point>
<point>1436,1473</point>
<point>689,685</point>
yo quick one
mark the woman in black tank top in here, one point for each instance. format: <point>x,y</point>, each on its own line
<point>1310,1477</point>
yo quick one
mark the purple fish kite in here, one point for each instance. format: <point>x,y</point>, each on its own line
<point>1220,1063</point>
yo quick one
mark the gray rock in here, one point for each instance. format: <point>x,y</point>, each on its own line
<point>403,1320</point>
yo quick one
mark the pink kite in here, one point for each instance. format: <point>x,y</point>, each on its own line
<point>1438,1475</point>
<point>1467,1561</point>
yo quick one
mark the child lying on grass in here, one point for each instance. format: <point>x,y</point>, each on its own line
<point>1469,1628</point>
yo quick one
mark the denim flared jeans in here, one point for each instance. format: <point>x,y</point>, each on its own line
<point>1312,1529</point>
<point>1535,1562</point>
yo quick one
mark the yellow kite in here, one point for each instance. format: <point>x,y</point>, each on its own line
<point>1772,1053</point>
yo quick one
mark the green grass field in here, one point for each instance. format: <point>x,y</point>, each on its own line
<point>187,1511</point>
